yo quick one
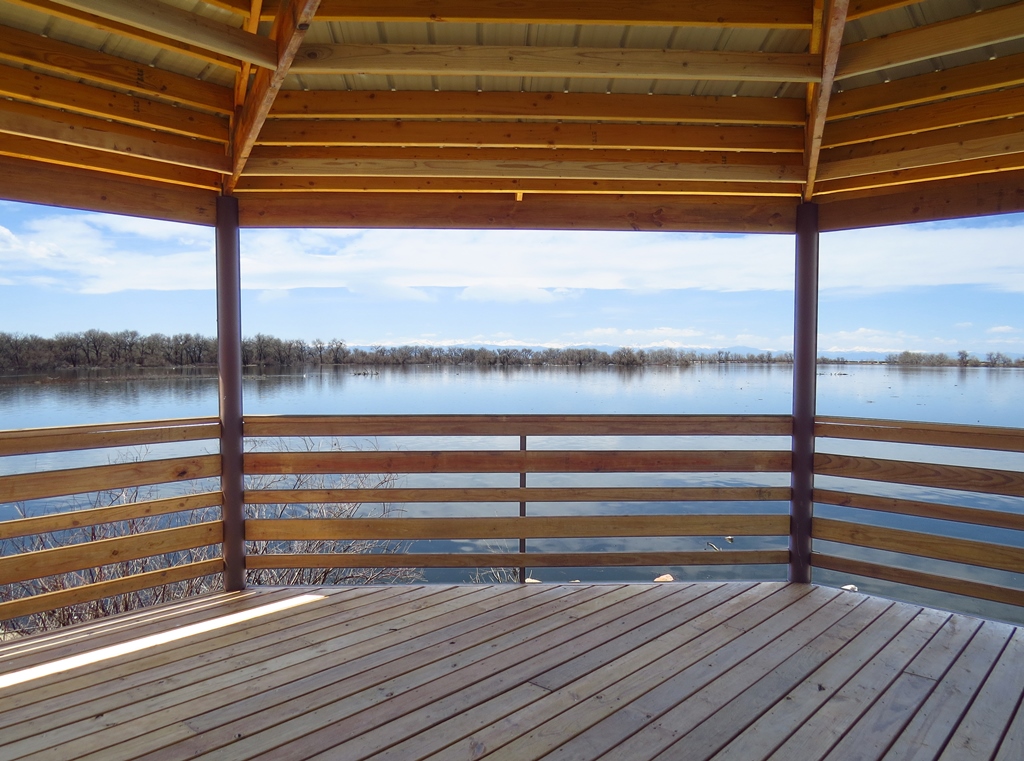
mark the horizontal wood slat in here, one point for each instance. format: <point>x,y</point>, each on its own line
<point>59,483</point>
<point>80,518</point>
<point>263,463</point>
<point>77,557</point>
<point>974,589</point>
<point>518,425</point>
<point>935,510</point>
<point>71,438</point>
<point>26,606</point>
<point>533,527</point>
<point>515,560</point>
<point>1005,482</point>
<point>523,494</point>
<point>983,554</point>
<point>933,434</point>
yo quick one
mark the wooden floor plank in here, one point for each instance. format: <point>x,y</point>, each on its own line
<point>981,730</point>
<point>871,737</point>
<point>644,672</point>
<point>929,729</point>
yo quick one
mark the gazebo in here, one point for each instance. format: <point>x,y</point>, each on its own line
<point>793,117</point>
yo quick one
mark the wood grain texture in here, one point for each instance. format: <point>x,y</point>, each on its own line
<point>525,494</point>
<point>932,434</point>
<point>954,550</point>
<point>913,180</point>
<point>48,601</point>
<point>536,211</point>
<point>973,515</point>
<point>975,589</point>
<point>533,527</point>
<point>96,516</point>
<point>73,438</point>
<point>517,425</point>
<point>548,106</point>
<point>515,560</point>
<point>653,461</point>
<point>33,182</point>
<point>534,61</point>
<point>33,565</point>
<point>56,483</point>
<point>960,478</point>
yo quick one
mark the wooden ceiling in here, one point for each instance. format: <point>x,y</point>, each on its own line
<point>647,114</point>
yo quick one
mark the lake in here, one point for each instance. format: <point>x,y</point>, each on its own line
<point>982,396</point>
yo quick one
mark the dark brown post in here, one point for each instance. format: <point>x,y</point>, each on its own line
<point>522,512</point>
<point>229,371</point>
<point>805,354</point>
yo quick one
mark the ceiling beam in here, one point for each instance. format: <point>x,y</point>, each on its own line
<point>834,22</point>
<point>98,134</point>
<point>871,182</point>
<point>169,21</point>
<point>862,8</point>
<point>540,212</point>
<point>1001,104</point>
<point>55,92</point>
<point>91,21</point>
<point>466,134</point>
<point>949,199</point>
<point>927,149</point>
<point>289,29</point>
<point>783,14</point>
<point>954,36</point>
<point>32,182</point>
<point>927,88</point>
<point>510,185</point>
<point>557,106</point>
<point>250,24</point>
<point>19,47</point>
<point>101,161</point>
<point>496,60</point>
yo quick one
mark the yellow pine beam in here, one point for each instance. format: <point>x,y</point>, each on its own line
<point>19,47</point>
<point>871,182</point>
<point>954,36</point>
<point>500,61</point>
<point>289,29</point>
<point>861,8</point>
<point>532,135</point>
<point>784,14</point>
<point>177,24</point>
<point>834,22</point>
<point>616,107</point>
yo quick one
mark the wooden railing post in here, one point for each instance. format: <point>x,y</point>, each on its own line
<point>805,351</point>
<point>522,513</point>
<point>229,372</point>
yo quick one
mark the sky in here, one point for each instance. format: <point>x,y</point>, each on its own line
<point>926,287</point>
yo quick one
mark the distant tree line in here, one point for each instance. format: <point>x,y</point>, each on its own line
<point>129,348</point>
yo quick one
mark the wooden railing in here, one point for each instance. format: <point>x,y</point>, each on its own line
<point>873,538</point>
<point>92,532</point>
<point>945,514</point>
<point>525,455</point>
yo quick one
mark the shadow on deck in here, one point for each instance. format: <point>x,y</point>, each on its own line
<point>640,671</point>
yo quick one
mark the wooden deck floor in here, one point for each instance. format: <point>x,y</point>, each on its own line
<point>666,671</point>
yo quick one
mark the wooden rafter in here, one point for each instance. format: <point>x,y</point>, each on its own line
<point>532,135</point>
<point>861,8</point>
<point>673,109</point>
<point>290,25</point>
<point>881,180</point>
<point>786,14</point>
<point>160,18</point>
<point>953,36</point>
<point>56,10</point>
<point>55,92</point>
<point>19,47</point>
<point>834,22</point>
<point>602,63</point>
<point>927,88</point>
<point>250,24</point>
<point>1001,104</point>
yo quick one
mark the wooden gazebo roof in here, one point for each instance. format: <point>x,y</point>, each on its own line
<point>647,114</point>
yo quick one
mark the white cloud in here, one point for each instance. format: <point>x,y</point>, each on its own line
<point>509,294</point>
<point>1002,329</point>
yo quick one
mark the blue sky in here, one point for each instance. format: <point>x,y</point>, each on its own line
<point>928,287</point>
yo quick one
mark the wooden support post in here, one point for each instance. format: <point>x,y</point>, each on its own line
<point>229,372</point>
<point>522,512</point>
<point>805,351</point>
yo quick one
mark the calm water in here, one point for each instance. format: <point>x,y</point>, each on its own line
<point>987,396</point>
<point>973,396</point>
